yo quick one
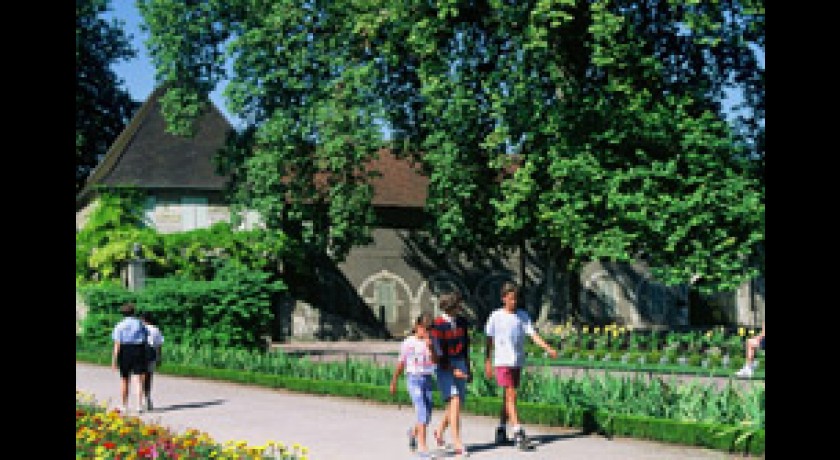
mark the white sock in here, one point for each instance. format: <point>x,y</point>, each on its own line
<point>517,428</point>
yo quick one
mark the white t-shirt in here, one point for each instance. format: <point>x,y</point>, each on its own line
<point>508,331</point>
<point>416,356</point>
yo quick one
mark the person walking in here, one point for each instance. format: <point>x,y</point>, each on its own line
<point>416,360</point>
<point>450,345</point>
<point>753,343</point>
<point>129,354</point>
<point>506,328</point>
<point>155,340</point>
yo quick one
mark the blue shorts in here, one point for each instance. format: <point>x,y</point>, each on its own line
<point>420,389</point>
<point>448,385</point>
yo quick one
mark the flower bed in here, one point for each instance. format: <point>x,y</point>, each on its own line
<point>103,434</point>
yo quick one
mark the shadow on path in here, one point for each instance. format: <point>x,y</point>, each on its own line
<point>539,439</point>
<point>195,405</point>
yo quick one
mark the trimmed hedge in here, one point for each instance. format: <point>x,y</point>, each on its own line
<point>728,438</point>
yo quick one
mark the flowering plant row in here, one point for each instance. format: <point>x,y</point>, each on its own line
<point>103,434</point>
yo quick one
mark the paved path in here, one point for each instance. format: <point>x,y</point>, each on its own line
<point>335,428</point>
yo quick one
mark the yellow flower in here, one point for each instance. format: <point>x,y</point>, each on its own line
<point>597,330</point>
<point>741,331</point>
<point>585,329</point>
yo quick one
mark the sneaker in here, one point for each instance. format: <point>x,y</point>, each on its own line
<point>745,372</point>
<point>462,452</point>
<point>522,441</point>
<point>501,436</point>
<point>149,404</point>
<point>412,441</point>
<point>124,409</point>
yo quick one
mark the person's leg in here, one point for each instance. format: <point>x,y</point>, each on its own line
<point>124,383</point>
<point>455,420</point>
<point>425,415</point>
<point>445,381</point>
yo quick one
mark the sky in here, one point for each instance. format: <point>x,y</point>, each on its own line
<point>139,73</point>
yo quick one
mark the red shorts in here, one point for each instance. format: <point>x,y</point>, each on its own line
<point>508,376</point>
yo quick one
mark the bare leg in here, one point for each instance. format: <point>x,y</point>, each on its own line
<point>420,435</point>
<point>455,420</point>
<point>444,422</point>
<point>510,405</point>
<point>124,390</point>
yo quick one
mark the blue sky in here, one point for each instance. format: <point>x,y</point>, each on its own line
<point>139,73</point>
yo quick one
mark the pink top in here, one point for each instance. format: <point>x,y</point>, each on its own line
<point>416,356</point>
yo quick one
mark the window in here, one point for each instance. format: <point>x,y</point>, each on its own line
<point>385,300</point>
<point>149,211</point>
<point>193,213</point>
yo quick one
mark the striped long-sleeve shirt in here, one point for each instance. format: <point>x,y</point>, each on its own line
<point>450,340</point>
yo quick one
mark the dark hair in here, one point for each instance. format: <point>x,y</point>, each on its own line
<point>147,317</point>
<point>425,319</point>
<point>449,300</point>
<point>509,286</point>
<point>127,309</point>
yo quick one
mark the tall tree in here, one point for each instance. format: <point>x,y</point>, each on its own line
<point>592,127</point>
<point>613,109</point>
<point>103,105</point>
<point>299,77</point>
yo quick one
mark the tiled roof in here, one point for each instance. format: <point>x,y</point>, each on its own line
<point>401,184</point>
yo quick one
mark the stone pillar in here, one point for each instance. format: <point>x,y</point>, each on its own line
<point>135,274</point>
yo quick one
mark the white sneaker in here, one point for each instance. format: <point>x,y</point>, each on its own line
<point>745,372</point>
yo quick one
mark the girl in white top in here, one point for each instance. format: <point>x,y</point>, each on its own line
<point>416,360</point>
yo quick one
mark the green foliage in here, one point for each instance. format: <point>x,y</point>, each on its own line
<point>612,109</point>
<point>234,309</point>
<point>113,226</point>
<point>300,79</point>
<point>104,301</point>
<point>103,105</point>
<point>107,240</point>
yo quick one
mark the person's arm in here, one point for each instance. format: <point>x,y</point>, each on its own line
<point>542,343</point>
<point>488,357</point>
<point>114,355</point>
<point>397,371</point>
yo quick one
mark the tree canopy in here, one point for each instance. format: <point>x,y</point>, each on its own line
<point>103,106</point>
<point>594,129</point>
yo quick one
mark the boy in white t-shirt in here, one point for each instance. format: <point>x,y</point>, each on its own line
<point>506,329</point>
<point>416,359</point>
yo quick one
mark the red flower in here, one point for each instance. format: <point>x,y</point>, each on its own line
<point>109,445</point>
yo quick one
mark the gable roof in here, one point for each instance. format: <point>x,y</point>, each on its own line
<point>145,155</point>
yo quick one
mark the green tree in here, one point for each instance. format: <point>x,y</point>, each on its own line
<point>300,79</point>
<point>593,128</point>
<point>613,111</point>
<point>103,106</point>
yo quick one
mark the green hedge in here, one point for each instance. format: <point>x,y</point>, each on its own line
<point>726,438</point>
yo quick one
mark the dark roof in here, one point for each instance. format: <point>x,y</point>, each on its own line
<point>145,155</point>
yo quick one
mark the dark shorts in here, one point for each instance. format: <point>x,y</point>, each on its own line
<point>131,359</point>
<point>508,376</point>
<point>761,344</point>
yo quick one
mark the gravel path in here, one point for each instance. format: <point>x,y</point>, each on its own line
<point>335,428</point>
